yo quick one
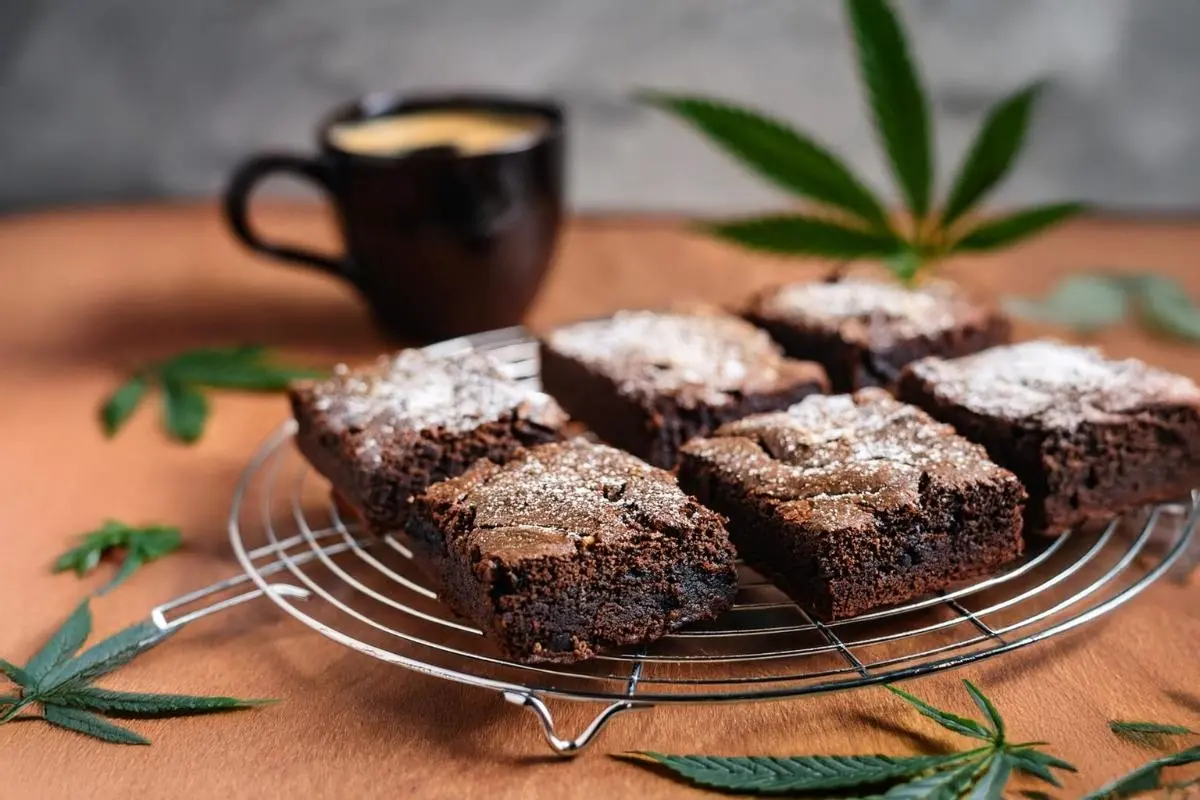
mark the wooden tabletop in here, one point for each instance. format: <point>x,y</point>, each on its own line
<point>89,294</point>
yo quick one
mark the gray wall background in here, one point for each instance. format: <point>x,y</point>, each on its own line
<point>118,100</point>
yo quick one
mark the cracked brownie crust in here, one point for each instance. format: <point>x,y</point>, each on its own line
<point>1087,436</point>
<point>864,332</point>
<point>648,381</point>
<point>851,502</point>
<point>384,433</point>
<point>572,548</point>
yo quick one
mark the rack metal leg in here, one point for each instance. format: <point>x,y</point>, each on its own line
<point>570,747</point>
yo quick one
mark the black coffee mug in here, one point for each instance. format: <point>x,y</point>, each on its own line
<point>438,242</point>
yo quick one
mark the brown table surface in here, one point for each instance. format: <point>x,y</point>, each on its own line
<point>89,293</point>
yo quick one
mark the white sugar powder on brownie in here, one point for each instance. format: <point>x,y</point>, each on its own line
<point>1057,384</point>
<point>925,310</point>
<point>413,390</point>
<point>669,351</point>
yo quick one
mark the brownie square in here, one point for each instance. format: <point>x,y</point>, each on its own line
<point>864,332</point>
<point>383,433</point>
<point>850,502</point>
<point>647,381</point>
<point>572,548</point>
<point>1087,436</point>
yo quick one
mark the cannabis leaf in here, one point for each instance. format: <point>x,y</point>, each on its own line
<point>1019,225</point>
<point>1148,777</point>
<point>1095,300</point>
<point>992,154</point>
<point>984,771</point>
<point>952,722</point>
<point>1085,303</point>
<point>778,153</point>
<point>898,102</point>
<point>141,546</point>
<point>1147,734</point>
<point>850,221</point>
<point>1163,304</point>
<point>797,774</point>
<point>791,234</point>
<point>185,407</point>
<point>58,681</point>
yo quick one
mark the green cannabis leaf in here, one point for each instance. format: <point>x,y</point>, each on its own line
<point>1085,303</point>
<point>1163,304</point>
<point>1147,734</point>
<point>141,546</point>
<point>850,221</point>
<point>898,102</point>
<point>984,771</point>
<point>58,681</point>
<point>1091,301</point>
<point>797,774</point>
<point>1149,776</point>
<point>992,154</point>
<point>786,234</point>
<point>185,407</point>
<point>777,153</point>
<point>1010,229</point>
<point>951,722</point>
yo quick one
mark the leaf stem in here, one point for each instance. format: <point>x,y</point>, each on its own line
<point>16,709</point>
<point>978,751</point>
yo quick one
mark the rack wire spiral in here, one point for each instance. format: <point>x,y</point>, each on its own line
<point>364,592</point>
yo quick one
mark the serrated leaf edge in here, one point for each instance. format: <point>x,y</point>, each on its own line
<point>89,724</point>
<point>948,720</point>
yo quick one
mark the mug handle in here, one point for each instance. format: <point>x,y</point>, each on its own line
<point>237,201</point>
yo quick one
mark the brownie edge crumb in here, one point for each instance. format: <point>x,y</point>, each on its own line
<point>570,549</point>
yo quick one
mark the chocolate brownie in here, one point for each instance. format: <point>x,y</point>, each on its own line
<point>864,332</point>
<point>572,548</point>
<point>647,381</point>
<point>383,433</point>
<point>1088,436</point>
<point>850,502</point>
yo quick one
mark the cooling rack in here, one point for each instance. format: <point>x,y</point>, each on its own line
<point>297,549</point>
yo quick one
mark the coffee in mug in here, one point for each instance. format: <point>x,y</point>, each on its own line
<point>469,132</point>
<point>448,207</point>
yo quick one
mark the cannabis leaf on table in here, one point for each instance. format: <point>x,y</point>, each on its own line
<point>850,221</point>
<point>983,771</point>
<point>1095,300</point>
<point>1149,777</point>
<point>60,683</point>
<point>181,379</point>
<point>140,545</point>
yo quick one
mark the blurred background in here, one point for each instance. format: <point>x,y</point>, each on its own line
<point>126,100</point>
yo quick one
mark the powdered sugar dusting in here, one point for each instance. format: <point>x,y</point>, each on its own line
<point>843,455</point>
<point>894,309</point>
<point>577,489</point>
<point>414,391</point>
<point>665,352</point>
<point>1056,384</point>
<point>832,431</point>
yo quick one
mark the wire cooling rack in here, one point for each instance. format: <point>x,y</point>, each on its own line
<point>365,592</point>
